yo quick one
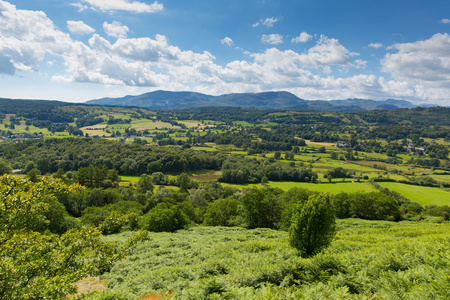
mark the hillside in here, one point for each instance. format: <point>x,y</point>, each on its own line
<point>267,100</point>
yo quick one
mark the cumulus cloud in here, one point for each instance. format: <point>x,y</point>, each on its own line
<point>273,39</point>
<point>421,70</point>
<point>268,22</point>
<point>227,41</point>
<point>115,29</point>
<point>79,27</point>
<point>122,5</point>
<point>445,21</point>
<point>427,60</point>
<point>302,38</point>
<point>375,45</point>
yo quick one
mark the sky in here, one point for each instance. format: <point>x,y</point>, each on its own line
<point>77,50</point>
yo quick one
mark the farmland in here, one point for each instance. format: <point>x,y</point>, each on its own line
<point>220,188</point>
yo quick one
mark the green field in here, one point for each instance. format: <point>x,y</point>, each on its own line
<point>334,188</point>
<point>130,178</point>
<point>366,260</point>
<point>420,194</point>
<point>144,124</point>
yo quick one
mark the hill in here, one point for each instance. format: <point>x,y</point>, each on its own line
<point>267,100</point>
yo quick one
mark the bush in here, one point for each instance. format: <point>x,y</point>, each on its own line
<point>313,227</point>
<point>222,212</point>
<point>165,218</point>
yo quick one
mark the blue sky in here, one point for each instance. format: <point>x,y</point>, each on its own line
<point>78,50</point>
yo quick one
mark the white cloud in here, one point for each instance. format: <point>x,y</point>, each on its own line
<point>360,64</point>
<point>376,45</point>
<point>427,60</point>
<point>79,27</point>
<point>302,38</point>
<point>445,21</point>
<point>80,6</point>
<point>273,39</point>
<point>328,52</point>
<point>268,22</point>
<point>421,70</point>
<point>227,41</point>
<point>115,29</point>
<point>124,5</point>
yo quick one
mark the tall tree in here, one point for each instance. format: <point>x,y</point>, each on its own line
<point>314,226</point>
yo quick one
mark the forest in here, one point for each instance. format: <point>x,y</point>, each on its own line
<point>218,203</point>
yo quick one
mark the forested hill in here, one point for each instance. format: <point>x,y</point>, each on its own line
<point>268,100</point>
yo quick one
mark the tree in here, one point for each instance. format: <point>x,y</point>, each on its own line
<point>264,180</point>
<point>222,212</point>
<point>329,178</point>
<point>33,175</point>
<point>4,167</point>
<point>262,208</point>
<point>184,182</point>
<point>145,183</point>
<point>165,217</point>
<point>45,266</point>
<point>314,226</point>
<point>277,155</point>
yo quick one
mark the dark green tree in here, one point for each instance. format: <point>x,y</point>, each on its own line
<point>145,184</point>
<point>262,208</point>
<point>184,182</point>
<point>4,167</point>
<point>314,226</point>
<point>222,212</point>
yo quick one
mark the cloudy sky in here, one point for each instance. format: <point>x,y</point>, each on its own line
<point>76,50</point>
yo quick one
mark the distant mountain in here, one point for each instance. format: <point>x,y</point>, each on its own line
<point>268,100</point>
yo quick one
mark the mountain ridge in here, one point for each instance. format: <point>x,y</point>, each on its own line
<point>166,100</point>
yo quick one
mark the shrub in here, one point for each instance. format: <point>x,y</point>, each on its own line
<point>313,227</point>
<point>165,218</point>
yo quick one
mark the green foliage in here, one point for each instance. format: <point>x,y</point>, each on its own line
<point>313,227</point>
<point>222,212</point>
<point>33,175</point>
<point>367,260</point>
<point>262,208</point>
<point>184,182</point>
<point>370,206</point>
<point>165,217</point>
<point>337,173</point>
<point>145,184</point>
<point>5,167</point>
<point>291,202</point>
<point>38,266</point>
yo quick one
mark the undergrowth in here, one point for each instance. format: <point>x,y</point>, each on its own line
<point>367,260</point>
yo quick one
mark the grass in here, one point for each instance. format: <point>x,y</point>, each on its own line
<point>334,188</point>
<point>144,124</point>
<point>205,175</point>
<point>209,149</point>
<point>420,194</point>
<point>190,123</point>
<point>130,178</point>
<point>442,178</point>
<point>366,260</point>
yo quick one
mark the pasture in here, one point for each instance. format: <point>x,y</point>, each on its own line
<point>420,194</point>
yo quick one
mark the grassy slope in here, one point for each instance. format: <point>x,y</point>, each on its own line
<point>367,260</point>
<point>334,188</point>
<point>420,194</point>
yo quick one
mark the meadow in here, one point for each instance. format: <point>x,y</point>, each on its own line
<point>366,260</point>
<point>421,194</point>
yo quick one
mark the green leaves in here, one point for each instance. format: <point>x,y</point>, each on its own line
<point>314,227</point>
<point>38,266</point>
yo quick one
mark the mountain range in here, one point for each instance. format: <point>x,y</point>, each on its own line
<point>159,100</point>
